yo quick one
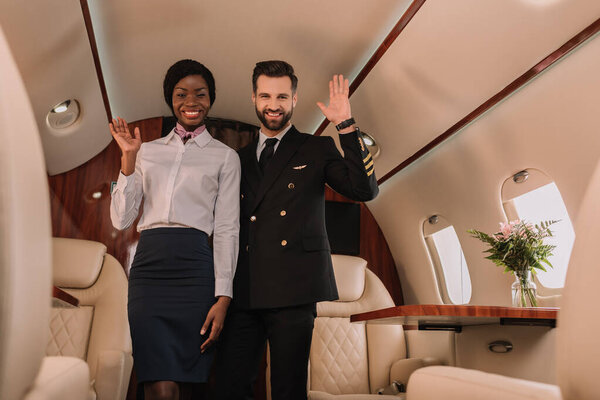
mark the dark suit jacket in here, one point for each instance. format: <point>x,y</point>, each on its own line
<point>284,255</point>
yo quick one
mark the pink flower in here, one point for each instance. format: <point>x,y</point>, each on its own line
<point>505,230</point>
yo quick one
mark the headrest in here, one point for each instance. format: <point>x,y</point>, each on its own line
<point>349,276</point>
<point>77,263</point>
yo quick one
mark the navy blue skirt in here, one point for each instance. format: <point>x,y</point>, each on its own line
<point>171,289</point>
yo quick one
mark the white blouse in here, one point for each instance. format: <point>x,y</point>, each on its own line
<point>196,184</point>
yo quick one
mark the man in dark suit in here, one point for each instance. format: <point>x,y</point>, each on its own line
<point>284,265</point>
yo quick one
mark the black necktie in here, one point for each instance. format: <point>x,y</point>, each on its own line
<point>267,153</point>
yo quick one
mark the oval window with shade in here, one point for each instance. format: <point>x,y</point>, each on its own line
<point>449,262</point>
<point>533,196</point>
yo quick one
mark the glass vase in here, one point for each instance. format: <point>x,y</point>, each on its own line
<point>524,291</point>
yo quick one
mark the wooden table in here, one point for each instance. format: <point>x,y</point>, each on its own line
<point>454,317</point>
<point>62,299</point>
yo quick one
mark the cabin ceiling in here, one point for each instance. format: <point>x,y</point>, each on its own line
<point>451,57</point>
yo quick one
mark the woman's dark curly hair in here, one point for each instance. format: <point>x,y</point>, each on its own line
<point>180,70</point>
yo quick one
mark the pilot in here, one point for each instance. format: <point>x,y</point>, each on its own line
<point>179,288</point>
<point>284,266</point>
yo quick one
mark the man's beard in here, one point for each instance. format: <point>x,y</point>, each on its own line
<point>274,125</point>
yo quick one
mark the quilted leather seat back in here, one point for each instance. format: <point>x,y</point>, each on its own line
<point>70,331</point>
<point>97,331</point>
<point>353,358</point>
<point>339,357</point>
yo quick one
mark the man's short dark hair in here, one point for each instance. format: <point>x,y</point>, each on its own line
<point>180,70</point>
<point>274,69</point>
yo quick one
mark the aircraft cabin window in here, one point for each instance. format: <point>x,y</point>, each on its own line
<point>448,259</point>
<point>532,196</point>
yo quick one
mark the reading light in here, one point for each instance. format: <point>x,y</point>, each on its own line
<point>62,107</point>
<point>63,114</point>
<point>521,176</point>
<point>371,144</point>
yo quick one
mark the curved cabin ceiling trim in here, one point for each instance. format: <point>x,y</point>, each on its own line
<point>515,85</point>
<point>85,9</point>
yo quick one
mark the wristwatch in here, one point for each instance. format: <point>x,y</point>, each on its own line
<point>345,124</point>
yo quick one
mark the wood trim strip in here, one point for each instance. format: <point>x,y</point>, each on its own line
<point>383,47</point>
<point>60,294</point>
<point>92,38</point>
<point>458,311</point>
<point>515,85</point>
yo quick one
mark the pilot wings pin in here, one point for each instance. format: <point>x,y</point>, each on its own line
<point>300,166</point>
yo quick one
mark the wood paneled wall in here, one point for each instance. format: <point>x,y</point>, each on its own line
<point>374,248</point>
<point>78,213</point>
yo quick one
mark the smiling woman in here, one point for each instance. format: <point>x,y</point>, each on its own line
<point>189,90</point>
<point>178,296</point>
<point>191,101</point>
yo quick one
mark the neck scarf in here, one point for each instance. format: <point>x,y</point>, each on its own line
<point>186,135</point>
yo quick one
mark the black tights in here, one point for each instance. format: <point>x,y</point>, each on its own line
<point>169,390</point>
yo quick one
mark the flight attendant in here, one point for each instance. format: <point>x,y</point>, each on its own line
<point>179,288</point>
<point>285,266</point>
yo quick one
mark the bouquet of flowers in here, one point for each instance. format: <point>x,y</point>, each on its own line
<point>519,248</point>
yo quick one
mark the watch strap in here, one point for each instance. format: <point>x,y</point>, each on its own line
<point>345,124</point>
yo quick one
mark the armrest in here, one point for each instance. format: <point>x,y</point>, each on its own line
<point>401,370</point>
<point>61,378</point>
<point>112,374</point>
<point>451,383</point>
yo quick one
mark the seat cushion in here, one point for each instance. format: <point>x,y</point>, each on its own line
<point>451,383</point>
<point>316,395</point>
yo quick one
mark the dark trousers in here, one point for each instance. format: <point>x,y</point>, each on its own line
<point>242,345</point>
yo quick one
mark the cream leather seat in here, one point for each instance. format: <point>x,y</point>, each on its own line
<point>578,353</point>
<point>353,361</point>
<point>97,331</point>
<point>26,256</point>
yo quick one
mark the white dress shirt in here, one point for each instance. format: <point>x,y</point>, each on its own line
<point>196,184</point>
<point>262,138</point>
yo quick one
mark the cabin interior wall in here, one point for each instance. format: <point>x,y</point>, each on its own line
<point>533,356</point>
<point>549,124</point>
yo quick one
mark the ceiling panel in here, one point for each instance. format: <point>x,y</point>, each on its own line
<point>49,42</point>
<point>139,39</point>
<point>451,58</point>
